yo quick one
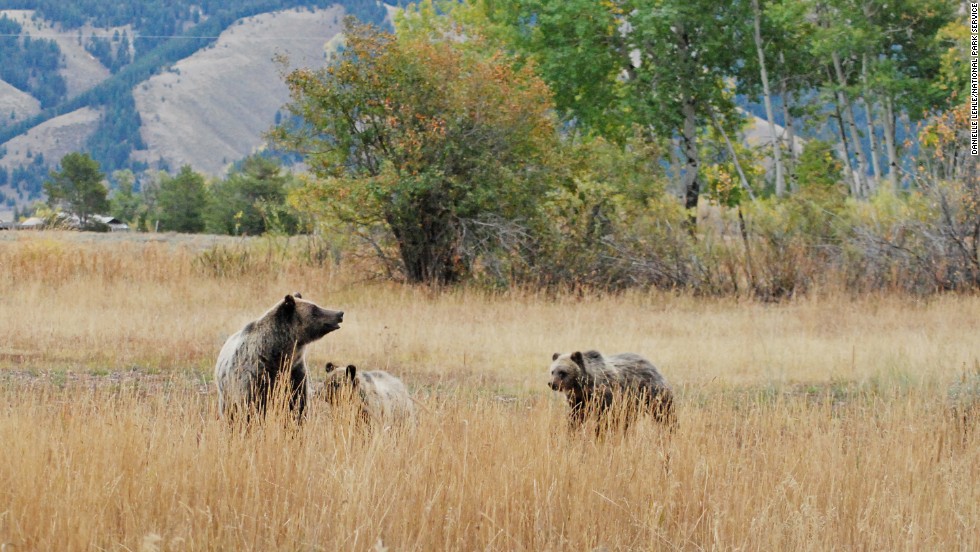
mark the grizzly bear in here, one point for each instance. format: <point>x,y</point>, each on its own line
<point>255,359</point>
<point>593,383</point>
<point>378,396</point>
<point>963,400</point>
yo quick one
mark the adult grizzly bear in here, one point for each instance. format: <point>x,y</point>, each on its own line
<point>253,360</point>
<point>379,396</point>
<point>593,383</point>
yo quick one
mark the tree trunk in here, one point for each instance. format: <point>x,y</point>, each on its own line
<point>731,151</point>
<point>428,241</point>
<point>890,144</point>
<point>689,143</point>
<point>689,147</point>
<point>848,112</point>
<point>869,113</point>
<point>845,157</point>
<point>767,100</point>
<point>873,141</point>
<point>790,136</point>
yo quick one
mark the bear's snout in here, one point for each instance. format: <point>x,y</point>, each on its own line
<point>333,317</point>
<point>329,321</point>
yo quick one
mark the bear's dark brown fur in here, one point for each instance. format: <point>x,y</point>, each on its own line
<point>593,383</point>
<point>253,360</point>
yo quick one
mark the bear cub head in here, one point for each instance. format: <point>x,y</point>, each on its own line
<point>309,320</point>
<point>340,384</point>
<point>567,371</point>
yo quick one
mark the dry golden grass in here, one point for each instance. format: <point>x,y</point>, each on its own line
<point>817,424</point>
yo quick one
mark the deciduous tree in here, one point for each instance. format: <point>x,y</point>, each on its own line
<point>125,204</point>
<point>423,136</point>
<point>658,64</point>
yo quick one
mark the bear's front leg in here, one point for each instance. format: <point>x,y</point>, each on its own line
<point>297,388</point>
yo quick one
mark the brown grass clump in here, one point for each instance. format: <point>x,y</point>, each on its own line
<point>816,424</point>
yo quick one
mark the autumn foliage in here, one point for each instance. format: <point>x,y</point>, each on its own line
<point>420,138</point>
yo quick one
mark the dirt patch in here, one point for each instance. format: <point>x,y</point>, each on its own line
<point>134,379</point>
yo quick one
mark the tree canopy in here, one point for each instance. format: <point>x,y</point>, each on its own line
<point>181,200</point>
<point>250,200</point>
<point>424,137</point>
<point>78,187</point>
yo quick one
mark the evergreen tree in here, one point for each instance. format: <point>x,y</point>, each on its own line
<point>181,200</point>
<point>243,203</point>
<point>77,188</point>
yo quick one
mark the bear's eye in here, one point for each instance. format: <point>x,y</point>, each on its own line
<point>561,374</point>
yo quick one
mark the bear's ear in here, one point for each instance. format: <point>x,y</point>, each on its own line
<point>288,301</point>
<point>577,359</point>
<point>330,367</point>
<point>352,372</point>
<point>555,356</point>
<point>298,295</point>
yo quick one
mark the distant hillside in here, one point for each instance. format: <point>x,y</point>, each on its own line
<point>210,109</point>
<point>16,105</point>
<point>80,70</point>
<point>53,138</point>
<point>149,84</point>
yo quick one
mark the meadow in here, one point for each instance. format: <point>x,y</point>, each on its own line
<point>817,423</point>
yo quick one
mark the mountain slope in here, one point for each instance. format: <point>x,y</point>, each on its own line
<point>16,105</point>
<point>59,136</point>
<point>211,108</point>
<point>81,71</point>
<point>35,150</point>
<point>202,72</point>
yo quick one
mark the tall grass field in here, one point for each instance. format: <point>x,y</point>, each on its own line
<point>818,423</point>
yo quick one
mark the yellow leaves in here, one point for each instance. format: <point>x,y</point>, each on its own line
<point>723,186</point>
<point>946,132</point>
<point>420,112</point>
<point>613,7</point>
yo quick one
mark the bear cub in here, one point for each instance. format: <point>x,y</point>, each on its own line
<point>593,383</point>
<point>378,396</point>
